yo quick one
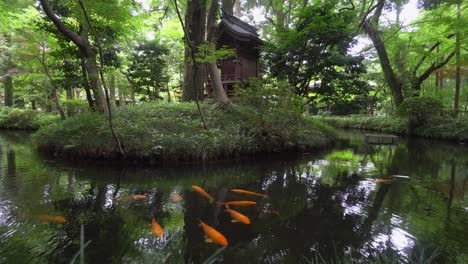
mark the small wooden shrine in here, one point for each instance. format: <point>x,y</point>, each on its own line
<point>234,33</point>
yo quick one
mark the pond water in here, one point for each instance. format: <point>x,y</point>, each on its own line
<point>322,207</point>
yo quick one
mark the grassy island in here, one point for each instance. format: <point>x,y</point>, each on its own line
<point>174,132</point>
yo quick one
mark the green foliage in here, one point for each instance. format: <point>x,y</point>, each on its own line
<point>439,127</point>
<point>25,118</point>
<point>173,132</point>
<point>312,56</point>
<point>420,110</point>
<point>75,106</point>
<point>147,69</point>
<point>208,53</point>
<point>382,124</point>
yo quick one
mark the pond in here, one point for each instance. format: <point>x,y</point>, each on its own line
<point>340,204</point>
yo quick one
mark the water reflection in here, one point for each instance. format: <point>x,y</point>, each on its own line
<point>329,204</point>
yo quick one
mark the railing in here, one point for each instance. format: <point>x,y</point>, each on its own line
<point>228,78</point>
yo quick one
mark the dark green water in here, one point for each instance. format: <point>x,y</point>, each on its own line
<point>320,206</point>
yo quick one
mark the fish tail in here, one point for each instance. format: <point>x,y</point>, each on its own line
<point>221,203</point>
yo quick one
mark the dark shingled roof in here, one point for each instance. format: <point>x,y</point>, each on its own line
<point>238,29</point>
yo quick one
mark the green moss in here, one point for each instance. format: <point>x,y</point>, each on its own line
<point>173,132</point>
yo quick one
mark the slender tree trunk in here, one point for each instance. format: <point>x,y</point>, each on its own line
<point>195,21</point>
<point>8,88</point>
<point>112,89</point>
<point>237,8</point>
<point>70,93</point>
<point>33,104</point>
<point>456,99</point>
<point>168,93</point>
<point>57,103</point>
<point>86,85</point>
<point>219,92</point>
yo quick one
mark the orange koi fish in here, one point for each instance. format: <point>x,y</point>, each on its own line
<point>384,180</point>
<point>238,203</point>
<point>176,198</point>
<point>132,197</point>
<point>239,191</point>
<point>238,217</point>
<point>203,193</point>
<point>51,218</point>
<point>157,229</point>
<point>212,235</point>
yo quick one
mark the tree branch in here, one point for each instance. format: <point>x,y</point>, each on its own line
<point>434,67</point>
<point>421,61</point>
<point>60,26</point>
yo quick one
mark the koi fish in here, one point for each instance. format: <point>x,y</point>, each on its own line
<point>203,193</point>
<point>213,236</point>
<point>384,180</point>
<point>272,212</point>
<point>238,217</point>
<point>51,218</point>
<point>238,203</point>
<point>157,229</point>
<point>239,191</point>
<point>132,197</point>
<point>176,198</point>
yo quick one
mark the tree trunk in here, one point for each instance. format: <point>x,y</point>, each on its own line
<point>93,76</point>
<point>33,104</point>
<point>86,85</point>
<point>70,93</point>
<point>392,80</point>
<point>112,89</point>
<point>228,6</point>
<point>237,8</point>
<point>456,99</point>
<point>87,51</point>
<point>8,86</point>
<point>195,21</point>
<point>57,103</point>
<point>219,92</point>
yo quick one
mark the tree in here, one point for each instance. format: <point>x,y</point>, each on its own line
<point>195,23</point>
<point>412,76</point>
<point>147,68</point>
<point>314,50</point>
<point>87,51</point>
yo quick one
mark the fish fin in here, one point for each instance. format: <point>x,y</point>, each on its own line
<point>234,221</point>
<point>199,224</point>
<point>265,196</point>
<point>227,206</point>
<point>209,240</point>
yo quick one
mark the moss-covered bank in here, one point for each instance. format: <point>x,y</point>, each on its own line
<point>173,132</point>
<point>440,127</point>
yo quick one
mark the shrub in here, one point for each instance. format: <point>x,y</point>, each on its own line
<point>16,118</point>
<point>420,110</point>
